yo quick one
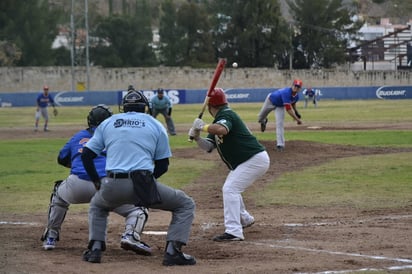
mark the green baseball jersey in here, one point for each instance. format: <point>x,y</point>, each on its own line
<point>239,144</point>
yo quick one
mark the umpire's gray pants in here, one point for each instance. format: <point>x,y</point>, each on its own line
<point>115,192</point>
<point>169,121</point>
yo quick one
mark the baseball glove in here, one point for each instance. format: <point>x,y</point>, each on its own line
<point>55,112</point>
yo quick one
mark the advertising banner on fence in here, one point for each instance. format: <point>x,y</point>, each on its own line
<point>196,96</point>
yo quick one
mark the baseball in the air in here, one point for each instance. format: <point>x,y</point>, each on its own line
<point>234,65</point>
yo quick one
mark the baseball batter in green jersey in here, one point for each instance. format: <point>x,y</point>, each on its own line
<point>245,157</point>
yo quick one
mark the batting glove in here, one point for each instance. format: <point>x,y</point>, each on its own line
<point>194,133</point>
<point>198,124</point>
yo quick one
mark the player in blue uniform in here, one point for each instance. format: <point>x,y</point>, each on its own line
<point>78,189</point>
<point>43,100</point>
<point>162,104</point>
<point>279,101</point>
<point>311,94</point>
<point>138,153</point>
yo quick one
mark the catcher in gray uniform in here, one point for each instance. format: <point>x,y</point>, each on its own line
<point>77,188</point>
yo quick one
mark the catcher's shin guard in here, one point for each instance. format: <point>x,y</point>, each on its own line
<point>136,221</point>
<point>56,214</point>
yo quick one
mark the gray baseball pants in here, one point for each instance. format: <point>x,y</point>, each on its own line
<point>115,191</point>
<point>267,107</point>
<point>74,190</point>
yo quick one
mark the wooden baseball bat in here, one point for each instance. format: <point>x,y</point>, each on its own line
<point>218,71</point>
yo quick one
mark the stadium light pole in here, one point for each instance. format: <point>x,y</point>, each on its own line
<point>72,48</point>
<point>79,50</point>
<point>86,12</point>
<point>291,47</point>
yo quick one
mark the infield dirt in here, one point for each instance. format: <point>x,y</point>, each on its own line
<point>284,239</point>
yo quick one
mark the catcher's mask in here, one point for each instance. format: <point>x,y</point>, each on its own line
<point>135,100</point>
<point>98,114</point>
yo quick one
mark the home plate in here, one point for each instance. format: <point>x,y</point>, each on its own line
<point>314,127</point>
<point>155,232</point>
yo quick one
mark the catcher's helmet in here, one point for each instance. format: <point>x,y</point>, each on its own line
<point>135,100</point>
<point>297,83</point>
<point>217,97</point>
<point>98,114</point>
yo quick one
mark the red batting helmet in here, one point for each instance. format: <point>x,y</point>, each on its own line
<point>297,82</point>
<point>217,97</point>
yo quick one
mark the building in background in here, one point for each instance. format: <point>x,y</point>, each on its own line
<point>384,46</point>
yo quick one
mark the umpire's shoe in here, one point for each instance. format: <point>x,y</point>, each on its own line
<point>175,256</point>
<point>92,256</point>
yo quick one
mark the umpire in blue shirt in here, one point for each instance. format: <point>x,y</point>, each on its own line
<point>162,104</point>
<point>138,153</point>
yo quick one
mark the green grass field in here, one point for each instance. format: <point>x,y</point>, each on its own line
<point>29,166</point>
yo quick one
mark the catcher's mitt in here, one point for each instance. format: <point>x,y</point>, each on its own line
<point>55,112</point>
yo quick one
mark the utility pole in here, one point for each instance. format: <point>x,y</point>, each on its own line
<point>291,47</point>
<point>79,48</point>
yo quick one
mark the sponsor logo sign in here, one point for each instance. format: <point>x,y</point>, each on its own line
<point>62,99</point>
<point>391,92</point>
<point>173,95</point>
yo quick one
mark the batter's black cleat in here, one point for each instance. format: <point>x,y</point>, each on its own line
<point>263,125</point>
<point>226,237</point>
<point>92,256</point>
<point>280,148</point>
<point>179,258</point>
